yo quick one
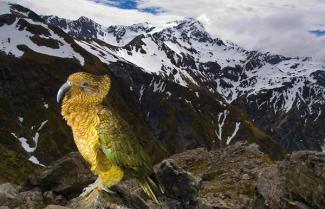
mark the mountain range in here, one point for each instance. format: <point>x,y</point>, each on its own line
<point>179,88</point>
<point>284,96</point>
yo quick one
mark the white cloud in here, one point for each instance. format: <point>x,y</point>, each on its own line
<point>103,14</point>
<point>279,26</point>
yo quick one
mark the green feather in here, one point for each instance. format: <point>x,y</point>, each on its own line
<point>119,143</point>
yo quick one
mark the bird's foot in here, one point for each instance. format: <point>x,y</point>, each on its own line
<point>91,187</point>
<point>96,185</point>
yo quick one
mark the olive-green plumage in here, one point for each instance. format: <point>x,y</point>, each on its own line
<point>103,138</point>
<point>119,144</point>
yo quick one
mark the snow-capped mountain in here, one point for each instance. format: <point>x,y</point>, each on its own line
<point>85,28</point>
<point>283,95</point>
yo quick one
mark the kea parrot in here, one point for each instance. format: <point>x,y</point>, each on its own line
<point>104,139</point>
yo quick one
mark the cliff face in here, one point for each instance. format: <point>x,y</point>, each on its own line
<point>234,177</point>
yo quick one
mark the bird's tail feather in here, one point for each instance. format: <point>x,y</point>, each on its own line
<point>151,187</point>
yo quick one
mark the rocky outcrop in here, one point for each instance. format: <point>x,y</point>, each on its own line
<point>235,177</point>
<point>297,182</point>
<point>67,176</point>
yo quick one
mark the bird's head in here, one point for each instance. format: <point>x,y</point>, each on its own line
<point>83,88</point>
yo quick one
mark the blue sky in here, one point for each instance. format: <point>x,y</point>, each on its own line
<point>318,33</point>
<point>130,4</point>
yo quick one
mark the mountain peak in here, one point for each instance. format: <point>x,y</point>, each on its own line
<point>85,19</point>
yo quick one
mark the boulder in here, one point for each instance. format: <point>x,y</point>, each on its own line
<point>9,195</point>
<point>179,184</point>
<point>66,176</point>
<point>32,198</point>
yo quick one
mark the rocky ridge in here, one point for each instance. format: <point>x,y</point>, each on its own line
<point>238,176</point>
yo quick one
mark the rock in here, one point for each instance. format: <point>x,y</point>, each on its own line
<point>178,183</point>
<point>296,182</point>
<point>32,198</point>
<point>238,176</point>
<point>52,197</point>
<point>100,199</point>
<point>224,183</point>
<point>49,196</point>
<point>67,176</point>
<point>9,195</point>
<point>56,207</point>
<point>245,177</point>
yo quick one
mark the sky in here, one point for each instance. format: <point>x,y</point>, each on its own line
<point>287,27</point>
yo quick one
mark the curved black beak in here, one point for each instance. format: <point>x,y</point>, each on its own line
<point>63,90</point>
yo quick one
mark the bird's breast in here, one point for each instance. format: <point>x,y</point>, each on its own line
<point>85,135</point>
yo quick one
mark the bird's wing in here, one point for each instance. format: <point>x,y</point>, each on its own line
<point>118,142</point>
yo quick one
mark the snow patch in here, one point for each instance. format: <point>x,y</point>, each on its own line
<point>24,144</point>
<point>4,8</point>
<point>221,122</point>
<point>159,87</point>
<point>23,140</point>
<point>9,43</point>
<point>103,53</point>
<point>34,160</point>
<point>233,134</point>
<point>141,93</point>
<point>46,105</point>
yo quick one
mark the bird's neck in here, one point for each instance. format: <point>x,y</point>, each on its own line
<point>77,114</point>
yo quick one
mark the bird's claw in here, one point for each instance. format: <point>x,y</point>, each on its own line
<point>108,191</point>
<point>96,185</point>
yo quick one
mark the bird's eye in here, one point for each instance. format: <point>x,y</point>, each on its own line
<point>84,84</point>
